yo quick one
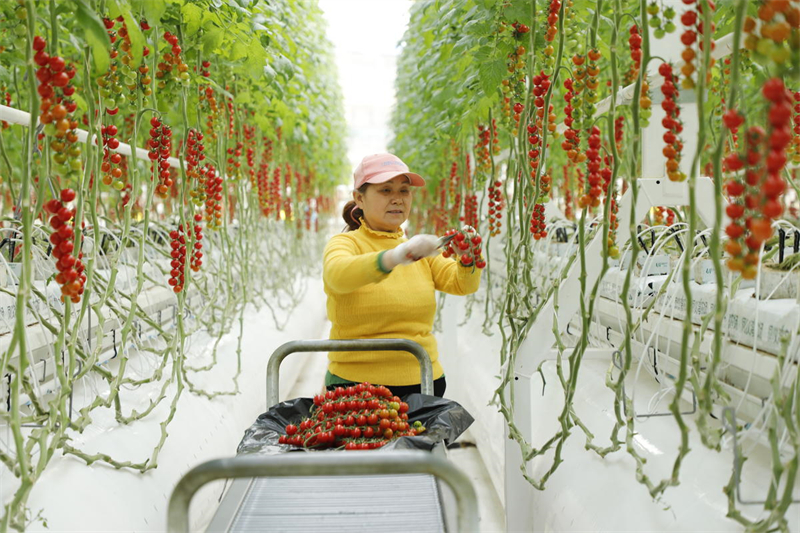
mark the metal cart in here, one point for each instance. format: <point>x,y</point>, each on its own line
<point>349,491</point>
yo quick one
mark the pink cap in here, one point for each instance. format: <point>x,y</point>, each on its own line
<point>379,168</point>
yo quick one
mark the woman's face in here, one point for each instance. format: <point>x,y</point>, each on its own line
<point>385,205</point>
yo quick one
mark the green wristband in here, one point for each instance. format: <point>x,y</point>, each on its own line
<point>380,264</point>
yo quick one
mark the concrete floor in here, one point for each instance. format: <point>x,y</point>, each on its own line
<point>490,511</point>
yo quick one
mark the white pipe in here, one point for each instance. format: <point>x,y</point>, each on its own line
<point>22,118</point>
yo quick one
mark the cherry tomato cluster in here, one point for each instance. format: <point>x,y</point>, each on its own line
<point>780,19</point>
<point>213,194</point>
<point>71,274</point>
<point>160,145</point>
<point>514,85</point>
<point>466,245</point>
<point>454,180</point>
<point>594,178</point>
<point>206,65</point>
<point>470,217</point>
<point>250,154</point>
<point>660,213</point>
<point>672,123</point>
<point>482,149</point>
<point>538,226</point>
<point>209,106</point>
<point>635,43</point>
<point>275,192</point>
<point>496,206</point>
<point>572,139</point>
<point>360,417</point>
<point>121,68</point>
<point>519,29</point>
<point>585,78</point>
<point>111,167</point>
<point>57,107</point>
<point>263,188</point>
<point>178,253</point>
<point>796,138</point>
<point>758,199</point>
<point>541,84</point>
<point>231,122</point>
<point>661,26</point>
<point>552,23</point>
<point>732,120</point>
<point>234,167</point>
<point>195,155</point>
<point>171,69</point>
<point>693,33</point>
<point>197,257</point>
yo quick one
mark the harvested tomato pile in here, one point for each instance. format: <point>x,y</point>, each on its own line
<point>362,417</point>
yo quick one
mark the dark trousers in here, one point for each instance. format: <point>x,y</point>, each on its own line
<point>439,386</point>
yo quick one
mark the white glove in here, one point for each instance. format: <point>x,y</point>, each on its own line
<point>414,249</point>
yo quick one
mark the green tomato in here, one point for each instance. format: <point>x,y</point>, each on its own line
<point>669,12</point>
<point>110,103</point>
<point>659,33</point>
<point>21,30</point>
<point>75,164</point>
<point>118,185</point>
<point>577,102</point>
<point>765,47</point>
<point>669,27</point>
<point>653,9</point>
<point>117,88</point>
<point>60,158</point>
<point>74,151</point>
<point>654,23</point>
<point>780,53</point>
<point>21,13</point>
<point>50,129</point>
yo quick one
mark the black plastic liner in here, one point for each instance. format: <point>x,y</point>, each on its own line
<point>444,420</point>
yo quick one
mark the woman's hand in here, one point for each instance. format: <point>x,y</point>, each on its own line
<point>414,249</point>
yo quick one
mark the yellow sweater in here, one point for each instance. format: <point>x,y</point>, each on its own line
<point>366,303</point>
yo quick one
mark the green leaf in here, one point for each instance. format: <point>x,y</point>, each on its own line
<point>491,75</point>
<point>136,36</point>
<point>192,17</point>
<point>284,67</point>
<point>114,9</point>
<point>238,51</point>
<point>212,39</point>
<point>96,35</point>
<point>255,63</point>
<point>153,10</point>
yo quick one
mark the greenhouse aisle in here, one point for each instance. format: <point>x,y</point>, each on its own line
<point>466,456</point>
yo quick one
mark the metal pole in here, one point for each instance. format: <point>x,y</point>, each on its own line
<point>324,464</point>
<point>349,345</point>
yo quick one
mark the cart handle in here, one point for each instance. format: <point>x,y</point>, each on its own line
<point>324,464</point>
<point>347,345</point>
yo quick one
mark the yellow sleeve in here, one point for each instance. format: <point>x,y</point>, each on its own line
<point>344,269</point>
<point>450,277</point>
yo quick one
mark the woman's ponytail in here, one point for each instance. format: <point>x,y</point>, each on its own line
<point>351,213</point>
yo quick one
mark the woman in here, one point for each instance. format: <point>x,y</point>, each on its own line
<point>380,285</point>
